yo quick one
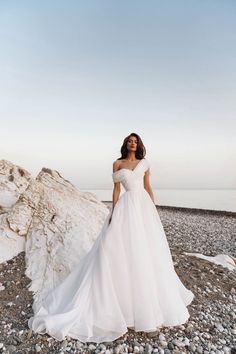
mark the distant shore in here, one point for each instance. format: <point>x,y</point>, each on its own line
<point>206,199</point>
<point>210,211</point>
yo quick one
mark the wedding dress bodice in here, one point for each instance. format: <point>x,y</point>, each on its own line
<point>132,180</point>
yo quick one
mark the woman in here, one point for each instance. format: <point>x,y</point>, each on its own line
<point>127,279</point>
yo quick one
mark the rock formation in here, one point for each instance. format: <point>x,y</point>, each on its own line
<point>48,217</point>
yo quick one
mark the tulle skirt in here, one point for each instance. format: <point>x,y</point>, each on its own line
<point>127,280</point>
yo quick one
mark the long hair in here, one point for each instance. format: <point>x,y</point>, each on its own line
<point>140,151</point>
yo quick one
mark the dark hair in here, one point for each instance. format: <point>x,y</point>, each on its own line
<point>140,151</point>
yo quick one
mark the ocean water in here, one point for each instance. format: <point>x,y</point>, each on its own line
<point>213,199</point>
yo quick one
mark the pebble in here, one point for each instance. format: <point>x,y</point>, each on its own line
<point>171,346</point>
<point>233,331</point>
<point>199,349</point>
<point>37,348</point>
<point>192,347</point>
<point>92,347</point>
<point>219,327</point>
<point>162,337</point>
<point>147,348</point>
<point>11,349</point>
<point>163,343</point>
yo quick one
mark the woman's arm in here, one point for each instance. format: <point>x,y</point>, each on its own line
<point>147,185</point>
<point>115,194</point>
<point>116,189</point>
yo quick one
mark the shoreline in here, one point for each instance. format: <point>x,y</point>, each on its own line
<point>170,207</point>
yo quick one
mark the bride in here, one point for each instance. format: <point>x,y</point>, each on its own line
<point>127,279</point>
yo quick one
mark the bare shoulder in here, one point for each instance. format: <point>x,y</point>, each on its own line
<point>116,165</point>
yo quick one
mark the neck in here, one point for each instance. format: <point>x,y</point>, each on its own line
<point>131,156</point>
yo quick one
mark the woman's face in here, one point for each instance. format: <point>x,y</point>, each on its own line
<point>132,143</point>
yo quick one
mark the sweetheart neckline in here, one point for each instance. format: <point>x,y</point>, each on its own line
<point>129,168</point>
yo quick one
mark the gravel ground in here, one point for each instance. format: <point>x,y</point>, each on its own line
<point>211,327</point>
<point>202,231</point>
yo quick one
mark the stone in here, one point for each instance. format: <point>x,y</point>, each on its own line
<point>37,348</point>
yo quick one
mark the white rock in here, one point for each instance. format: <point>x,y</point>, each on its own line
<point>102,346</point>
<point>14,180</point>
<point>233,331</point>
<point>37,348</point>
<point>221,259</point>
<point>219,327</point>
<point>51,220</point>
<point>79,344</point>
<point>63,228</point>
<point>92,347</point>
<point>162,337</point>
<point>118,349</point>
<point>196,338</point>
<point>163,343</point>
<point>186,341</point>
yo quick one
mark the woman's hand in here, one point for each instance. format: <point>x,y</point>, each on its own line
<point>110,217</point>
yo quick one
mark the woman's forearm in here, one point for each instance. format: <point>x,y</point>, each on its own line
<point>150,192</point>
<point>115,197</point>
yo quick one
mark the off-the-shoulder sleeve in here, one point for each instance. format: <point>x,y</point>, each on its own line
<point>115,177</point>
<point>147,165</point>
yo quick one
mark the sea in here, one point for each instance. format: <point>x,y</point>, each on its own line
<point>210,199</point>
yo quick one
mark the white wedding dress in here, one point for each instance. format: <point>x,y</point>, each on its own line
<point>127,279</point>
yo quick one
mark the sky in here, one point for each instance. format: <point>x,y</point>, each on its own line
<point>76,77</point>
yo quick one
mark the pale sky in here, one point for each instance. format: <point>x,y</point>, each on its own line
<point>76,77</point>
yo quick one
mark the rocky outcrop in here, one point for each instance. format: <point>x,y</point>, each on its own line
<point>54,222</point>
<point>14,180</point>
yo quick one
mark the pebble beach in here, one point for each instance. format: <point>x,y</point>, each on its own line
<point>211,327</point>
